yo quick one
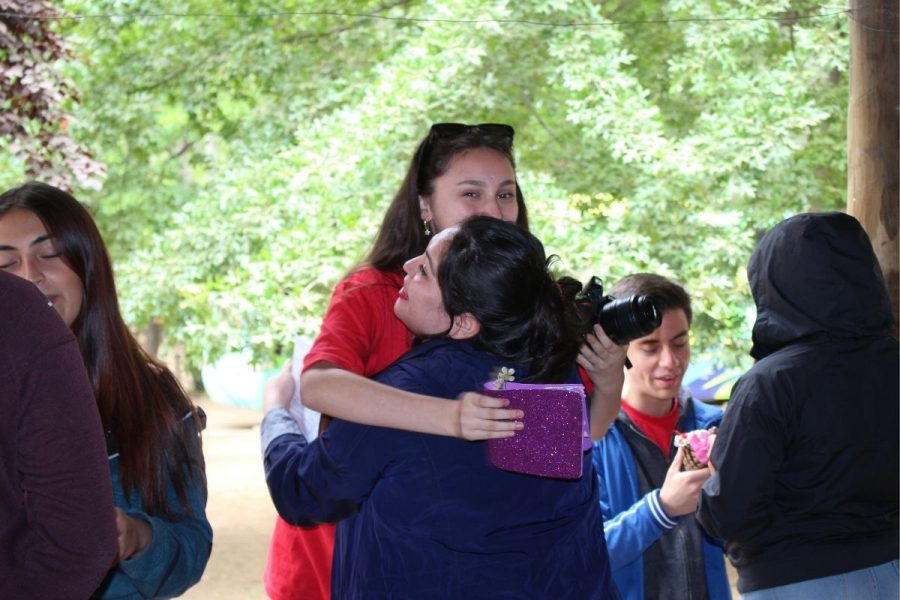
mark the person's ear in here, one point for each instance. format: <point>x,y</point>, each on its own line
<point>465,326</point>
<point>424,208</point>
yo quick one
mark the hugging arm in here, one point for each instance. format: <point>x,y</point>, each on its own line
<point>361,335</point>
<point>323,481</point>
<point>338,392</point>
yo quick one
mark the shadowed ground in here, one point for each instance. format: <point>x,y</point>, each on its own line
<point>239,507</point>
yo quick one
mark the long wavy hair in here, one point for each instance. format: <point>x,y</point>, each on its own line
<point>401,235</point>
<point>500,274</point>
<point>140,401</point>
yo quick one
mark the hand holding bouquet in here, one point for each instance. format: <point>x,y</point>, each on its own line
<point>697,445</point>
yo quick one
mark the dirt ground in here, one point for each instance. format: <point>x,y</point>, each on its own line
<point>239,507</point>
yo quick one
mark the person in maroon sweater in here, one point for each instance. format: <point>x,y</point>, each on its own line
<point>57,525</point>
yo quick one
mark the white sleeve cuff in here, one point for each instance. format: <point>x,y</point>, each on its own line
<point>659,515</point>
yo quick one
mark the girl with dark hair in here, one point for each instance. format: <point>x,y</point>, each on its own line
<point>429,518</point>
<point>456,172</point>
<point>152,427</point>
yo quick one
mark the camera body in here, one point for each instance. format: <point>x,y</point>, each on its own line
<point>623,319</point>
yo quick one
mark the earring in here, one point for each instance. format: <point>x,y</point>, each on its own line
<point>427,228</point>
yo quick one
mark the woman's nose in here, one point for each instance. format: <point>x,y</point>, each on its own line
<point>491,208</point>
<point>31,271</point>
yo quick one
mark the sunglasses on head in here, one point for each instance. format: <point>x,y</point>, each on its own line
<point>452,129</point>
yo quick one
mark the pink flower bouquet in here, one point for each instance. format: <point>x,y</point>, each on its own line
<point>696,447</point>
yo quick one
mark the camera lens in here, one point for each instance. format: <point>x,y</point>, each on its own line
<point>629,318</point>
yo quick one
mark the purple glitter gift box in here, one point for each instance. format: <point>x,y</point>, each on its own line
<point>553,440</point>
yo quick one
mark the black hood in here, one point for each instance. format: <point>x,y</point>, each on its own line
<point>813,275</point>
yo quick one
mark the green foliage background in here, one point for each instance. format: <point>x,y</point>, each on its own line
<point>253,147</point>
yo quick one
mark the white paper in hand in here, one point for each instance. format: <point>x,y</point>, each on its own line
<point>307,418</point>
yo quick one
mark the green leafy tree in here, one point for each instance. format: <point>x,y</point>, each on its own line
<point>252,148</point>
<point>34,137</point>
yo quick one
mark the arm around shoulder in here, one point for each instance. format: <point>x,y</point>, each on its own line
<point>334,391</point>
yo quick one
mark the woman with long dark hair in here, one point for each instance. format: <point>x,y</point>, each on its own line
<point>152,427</point>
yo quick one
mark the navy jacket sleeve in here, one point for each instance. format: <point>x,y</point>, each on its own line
<point>326,480</point>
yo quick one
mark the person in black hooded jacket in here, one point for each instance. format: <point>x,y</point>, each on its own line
<point>805,483</point>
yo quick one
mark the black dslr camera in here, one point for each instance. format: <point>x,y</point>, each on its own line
<point>623,319</point>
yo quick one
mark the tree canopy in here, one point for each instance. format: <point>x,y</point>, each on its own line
<point>252,147</point>
<point>34,135</point>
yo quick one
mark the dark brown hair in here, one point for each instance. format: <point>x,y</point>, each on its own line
<point>401,235</point>
<point>499,273</point>
<point>140,401</point>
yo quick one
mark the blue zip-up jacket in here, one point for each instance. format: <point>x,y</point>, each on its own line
<point>631,523</point>
<point>177,555</point>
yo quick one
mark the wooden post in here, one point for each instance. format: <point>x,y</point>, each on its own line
<point>873,135</point>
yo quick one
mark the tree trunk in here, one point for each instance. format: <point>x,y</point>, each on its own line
<point>873,135</point>
<point>153,339</point>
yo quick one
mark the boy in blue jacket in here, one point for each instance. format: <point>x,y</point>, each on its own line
<point>656,547</point>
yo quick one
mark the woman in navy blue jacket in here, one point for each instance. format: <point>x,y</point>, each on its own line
<point>426,516</point>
